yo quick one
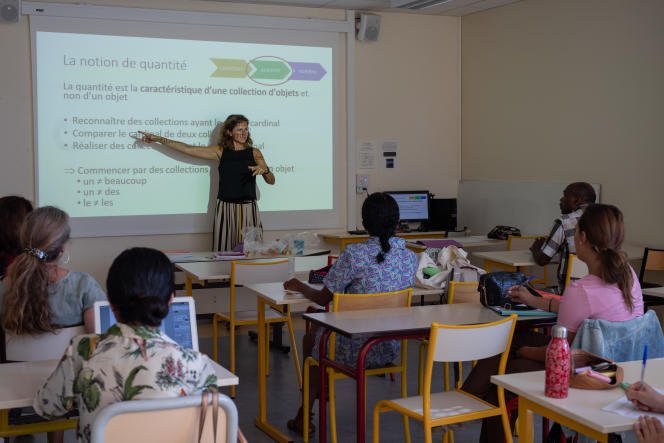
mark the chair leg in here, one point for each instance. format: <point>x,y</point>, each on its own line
<point>296,357</point>
<point>427,433</point>
<point>420,366</point>
<point>376,422</point>
<point>333,405</point>
<point>308,362</point>
<point>404,387</point>
<point>267,350</point>
<point>446,376</point>
<point>215,338</point>
<point>232,359</point>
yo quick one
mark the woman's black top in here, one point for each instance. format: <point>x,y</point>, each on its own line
<point>236,182</point>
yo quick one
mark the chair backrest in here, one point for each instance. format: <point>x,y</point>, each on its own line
<point>164,420</point>
<point>463,292</point>
<point>653,260</point>
<point>519,242</point>
<point>621,340</point>
<point>359,302</point>
<point>331,259</point>
<point>245,272</point>
<point>452,343</point>
<point>47,346</point>
<point>576,269</point>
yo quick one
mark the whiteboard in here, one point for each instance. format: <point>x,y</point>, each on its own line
<point>529,206</point>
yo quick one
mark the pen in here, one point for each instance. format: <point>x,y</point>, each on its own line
<point>645,359</point>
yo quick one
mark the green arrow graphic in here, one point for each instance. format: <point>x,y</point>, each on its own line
<point>270,70</point>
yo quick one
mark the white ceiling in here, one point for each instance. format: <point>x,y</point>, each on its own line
<point>431,7</point>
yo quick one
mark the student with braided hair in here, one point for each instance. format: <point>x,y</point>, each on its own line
<point>380,264</point>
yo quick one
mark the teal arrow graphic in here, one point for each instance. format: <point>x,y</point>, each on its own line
<point>270,70</point>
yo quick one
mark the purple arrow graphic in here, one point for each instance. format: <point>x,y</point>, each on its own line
<point>306,71</point>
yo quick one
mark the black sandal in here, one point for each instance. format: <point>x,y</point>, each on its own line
<point>296,425</point>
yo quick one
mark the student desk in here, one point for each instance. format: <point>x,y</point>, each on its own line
<point>380,325</point>
<point>466,242</point>
<point>202,266</point>
<point>582,409</point>
<point>274,294</point>
<point>19,383</point>
<point>521,258</point>
<point>344,239</point>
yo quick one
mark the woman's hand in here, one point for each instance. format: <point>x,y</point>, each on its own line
<point>148,137</point>
<point>258,170</point>
<point>649,430</point>
<point>294,285</point>
<point>519,294</point>
<point>645,397</point>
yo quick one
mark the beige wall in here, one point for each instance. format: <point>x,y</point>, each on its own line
<point>408,90</point>
<point>566,90</point>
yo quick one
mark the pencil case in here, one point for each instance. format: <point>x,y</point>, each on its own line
<point>600,365</point>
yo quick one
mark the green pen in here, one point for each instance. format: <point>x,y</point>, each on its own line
<point>624,385</point>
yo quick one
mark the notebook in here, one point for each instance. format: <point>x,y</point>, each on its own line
<point>179,324</point>
<point>522,311</point>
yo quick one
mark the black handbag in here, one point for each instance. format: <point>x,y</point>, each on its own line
<point>316,276</point>
<point>493,287</point>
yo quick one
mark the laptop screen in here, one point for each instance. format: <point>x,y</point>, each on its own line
<point>179,324</point>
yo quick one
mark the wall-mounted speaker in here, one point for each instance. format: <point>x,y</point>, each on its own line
<point>10,10</point>
<point>368,26</point>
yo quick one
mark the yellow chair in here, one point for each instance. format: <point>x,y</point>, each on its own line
<point>358,302</point>
<point>457,292</point>
<point>246,272</point>
<point>448,343</point>
<point>168,420</point>
<point>575,269</point>
<point>47,346</point>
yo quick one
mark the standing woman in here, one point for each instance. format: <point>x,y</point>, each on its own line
<point>239,165</point>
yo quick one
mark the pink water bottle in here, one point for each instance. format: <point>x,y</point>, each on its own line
<point>557,364</point>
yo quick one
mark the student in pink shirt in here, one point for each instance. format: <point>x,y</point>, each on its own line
<point>610,291</point>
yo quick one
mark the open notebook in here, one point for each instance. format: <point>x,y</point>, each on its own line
<point>179,324</point>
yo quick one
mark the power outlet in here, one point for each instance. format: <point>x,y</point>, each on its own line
<point>361,183</point>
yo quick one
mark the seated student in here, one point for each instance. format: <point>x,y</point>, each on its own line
<point>13,210</point>
<point>576,197</point>
<point>38,294</point>
<point>380,264</point>
<point>644,397</point>
<point>610,292</point>
<point>133,359</point>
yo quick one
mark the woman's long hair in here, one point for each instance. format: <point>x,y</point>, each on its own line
<point>380,217</point>
<point>26,309</point>
<point>230,123</point>
<point>605,231</point>
<point>13,210</point>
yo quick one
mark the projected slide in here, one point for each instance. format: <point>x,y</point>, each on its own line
<point>95,91</point>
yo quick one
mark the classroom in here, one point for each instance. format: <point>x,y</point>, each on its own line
<point>544,91</point>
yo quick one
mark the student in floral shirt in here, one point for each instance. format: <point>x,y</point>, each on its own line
<point>133,359</point>
<point>380,264</point>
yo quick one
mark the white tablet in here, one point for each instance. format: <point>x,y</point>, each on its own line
<point>180,323</point>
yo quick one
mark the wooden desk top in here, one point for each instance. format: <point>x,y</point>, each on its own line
<point>402,320</point>
<point>655,292</point>
<point>275,293</point>
<point>511,258</point>
<point>209,256</point>
<point>583,405</point>
<point>413,234</point>
<point>525,257</point>
<point>19,381</point>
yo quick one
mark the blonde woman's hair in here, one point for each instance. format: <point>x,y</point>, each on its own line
<point>26,309</point>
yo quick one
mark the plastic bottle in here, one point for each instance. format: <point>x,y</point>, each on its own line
<point>557,364</point>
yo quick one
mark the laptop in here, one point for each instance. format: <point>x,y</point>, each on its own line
<point>179,324</point>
